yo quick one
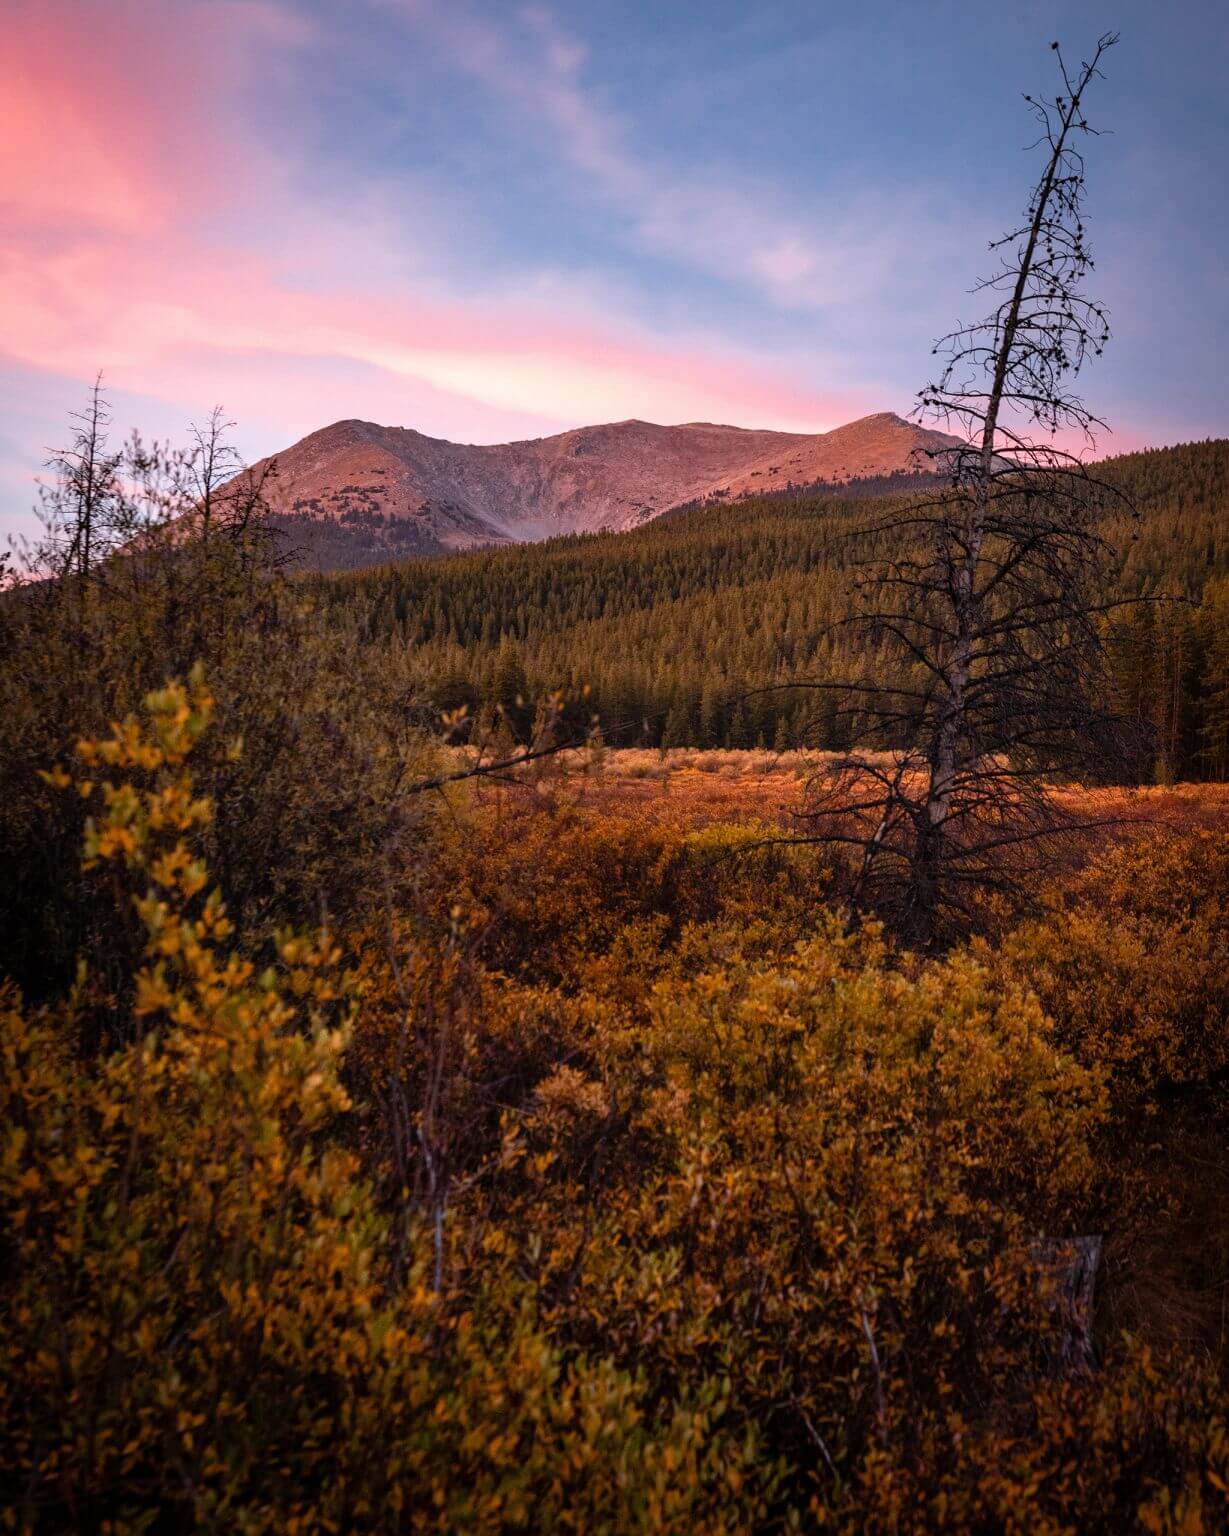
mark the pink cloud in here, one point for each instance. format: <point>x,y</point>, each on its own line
<point>124,159</point>
<point>113,117</point>
<point>146,314</point>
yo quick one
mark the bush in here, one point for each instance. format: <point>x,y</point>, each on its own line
<point>569,896</point>
<point>198,1329</point>
<point>314,741</point>
<point>576,1197</point>
<point>1134,965</point>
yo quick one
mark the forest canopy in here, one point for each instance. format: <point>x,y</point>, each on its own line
<point>686,631</point>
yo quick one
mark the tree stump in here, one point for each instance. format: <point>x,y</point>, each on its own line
<point>1069,1265</point>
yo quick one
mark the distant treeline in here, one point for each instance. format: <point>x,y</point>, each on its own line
<point>690,631</point>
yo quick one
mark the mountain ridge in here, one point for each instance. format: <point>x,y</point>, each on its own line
<point>359,492</point>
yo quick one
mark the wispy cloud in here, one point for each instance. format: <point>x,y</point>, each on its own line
<point>146,314</point>
<point>709,218</point>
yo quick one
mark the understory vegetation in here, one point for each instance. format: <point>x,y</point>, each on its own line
<point>527,1156</point>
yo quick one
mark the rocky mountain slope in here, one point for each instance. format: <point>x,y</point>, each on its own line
<point>355,492</point>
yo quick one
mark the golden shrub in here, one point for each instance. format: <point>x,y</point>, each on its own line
<point>1134,964</point>
<point>582,1195</point>
<point>198,1329</point>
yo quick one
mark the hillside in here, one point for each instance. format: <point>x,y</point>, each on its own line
<point>355,493</point>
<point>677,627</point>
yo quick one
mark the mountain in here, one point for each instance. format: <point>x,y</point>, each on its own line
<point>356,493</point>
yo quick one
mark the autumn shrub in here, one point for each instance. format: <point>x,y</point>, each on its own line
<point>841,1173</point>
<point>1141,1446</point>
<point>818,1173</point>
<point>565,894</point>
<point>1133,963</point>
<point>571,1191</point>
<point>532,952</point>
<point>315,739</point>
<point>198,1329</point>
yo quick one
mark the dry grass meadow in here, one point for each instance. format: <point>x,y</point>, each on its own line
<point>691,787</point>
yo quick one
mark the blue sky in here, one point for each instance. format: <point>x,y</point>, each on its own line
<point>497,220</point>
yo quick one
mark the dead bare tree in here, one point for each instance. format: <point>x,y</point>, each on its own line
<point>227,498</point>
<point>212,463</point>
<point>83,508</point>
<point>991,606</point>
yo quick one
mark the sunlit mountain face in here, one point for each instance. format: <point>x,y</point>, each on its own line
<point>372,491</point>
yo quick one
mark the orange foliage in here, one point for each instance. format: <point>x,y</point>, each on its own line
<point>608,1185</point>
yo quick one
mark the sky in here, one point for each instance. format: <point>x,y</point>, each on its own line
<point>490,220</point>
